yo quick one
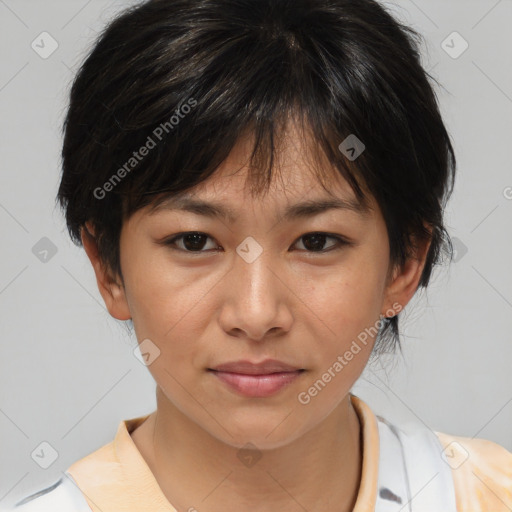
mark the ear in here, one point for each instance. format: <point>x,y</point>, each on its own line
<point>113,293</point>
<point>403,282</point>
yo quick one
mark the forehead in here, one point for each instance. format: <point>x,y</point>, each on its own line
<point>298,195</point>
<point>295,188</point>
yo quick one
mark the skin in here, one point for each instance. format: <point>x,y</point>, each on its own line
<point>292,304</point>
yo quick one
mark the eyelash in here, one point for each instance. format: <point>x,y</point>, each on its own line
<point>341,241</point>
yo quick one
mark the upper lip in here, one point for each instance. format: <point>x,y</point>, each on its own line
<point>249,368</point>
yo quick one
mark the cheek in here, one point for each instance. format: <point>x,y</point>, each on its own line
<point>160,294</point>
<point>347,300</point>
<point>172,306</point>
<point>343,316</point>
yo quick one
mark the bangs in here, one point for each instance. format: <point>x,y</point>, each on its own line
<point>267,140</point>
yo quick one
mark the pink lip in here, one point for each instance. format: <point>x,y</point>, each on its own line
<point>257,386</point>
<point>256,380</point>
<point>249,368</point>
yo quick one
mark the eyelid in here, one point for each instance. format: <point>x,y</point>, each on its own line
<point>169,241</point>
<point>342,241</point>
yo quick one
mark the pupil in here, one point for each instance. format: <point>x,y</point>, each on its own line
<point>318,242</point>
<point>197,241</point>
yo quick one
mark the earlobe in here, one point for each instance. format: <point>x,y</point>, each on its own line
<point>113,293</point>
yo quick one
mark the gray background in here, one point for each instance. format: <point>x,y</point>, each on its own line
<point>68,375</point>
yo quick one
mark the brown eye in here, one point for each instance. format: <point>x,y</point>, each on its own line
<point>315,242</point>
<point>197,242</point>
<point>190,242</point>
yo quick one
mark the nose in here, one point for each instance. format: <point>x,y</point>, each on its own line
<point>257,300</point>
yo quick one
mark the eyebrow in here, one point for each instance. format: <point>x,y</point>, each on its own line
<point>304,209</point>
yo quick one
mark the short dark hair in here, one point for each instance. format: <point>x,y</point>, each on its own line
<point>192,76</point>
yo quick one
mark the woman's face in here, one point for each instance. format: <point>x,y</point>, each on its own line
<point>257,284</point>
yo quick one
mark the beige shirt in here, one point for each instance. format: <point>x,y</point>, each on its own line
<point>116,477</point>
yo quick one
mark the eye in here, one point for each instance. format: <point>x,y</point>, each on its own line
<point>192,241</point>
<point>315,242</point>
<point>195,241</point>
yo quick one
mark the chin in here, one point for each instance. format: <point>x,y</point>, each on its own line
<point>264,433</point>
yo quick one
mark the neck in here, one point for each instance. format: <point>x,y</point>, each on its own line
<point>319,471</point>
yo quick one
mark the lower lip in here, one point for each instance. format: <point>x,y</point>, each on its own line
<point>257,386</point>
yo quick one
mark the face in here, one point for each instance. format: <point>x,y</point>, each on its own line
<point>304,290</point>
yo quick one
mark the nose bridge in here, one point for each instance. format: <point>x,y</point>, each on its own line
<point>256,301</point>
<point>254,272</point>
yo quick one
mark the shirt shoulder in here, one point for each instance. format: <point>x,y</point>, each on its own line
<point>62,496</point>
<point>66,495</point>
<point>482,473</point>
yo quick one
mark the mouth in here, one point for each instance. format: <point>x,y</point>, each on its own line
<point>266,367</point>
<point>256,380</point>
